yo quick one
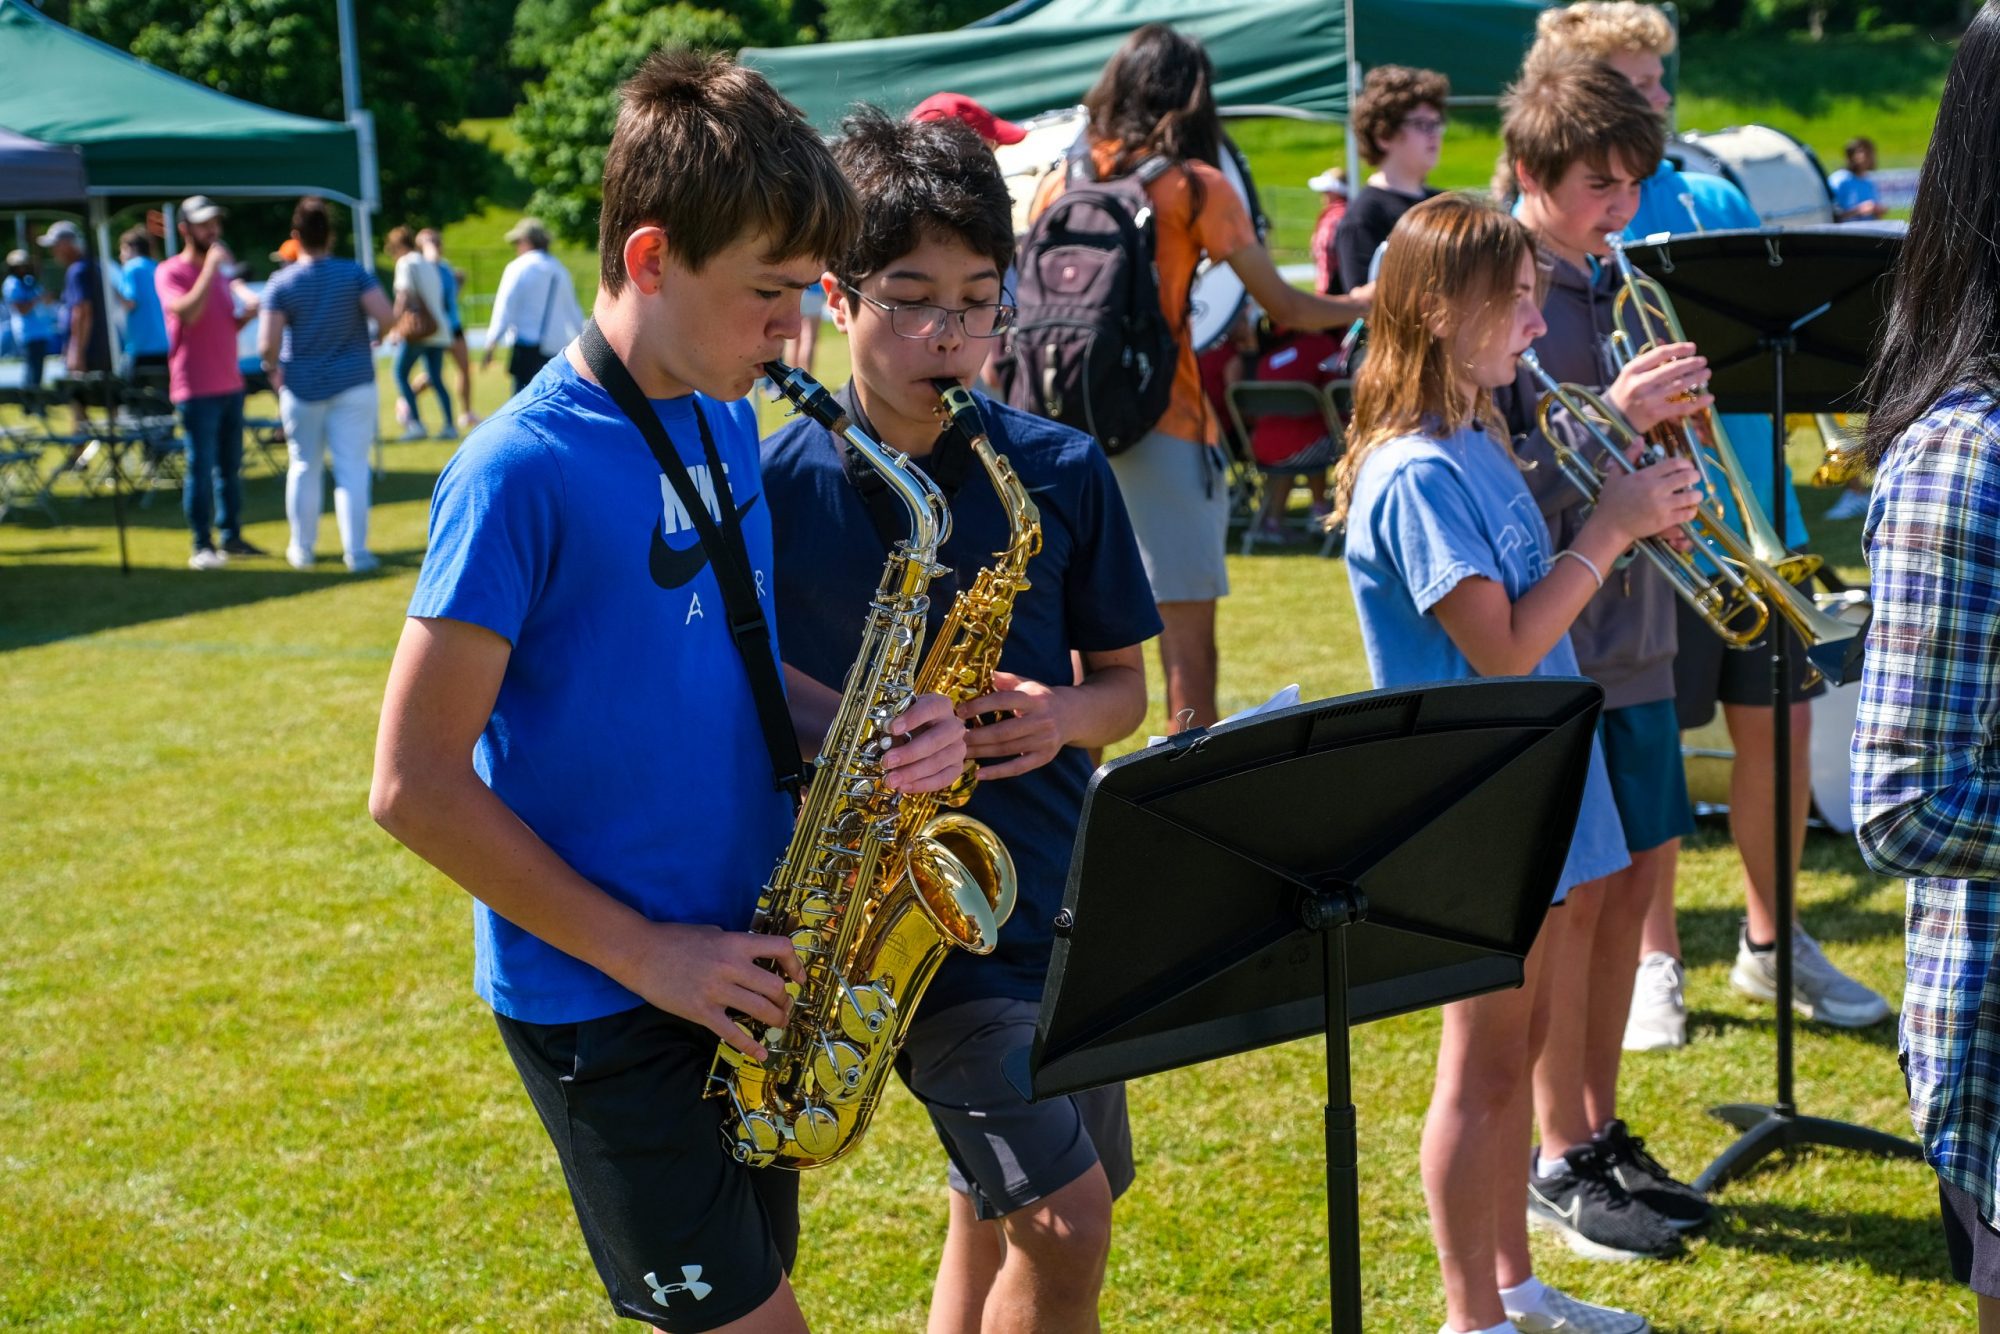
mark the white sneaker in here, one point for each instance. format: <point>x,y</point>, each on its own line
<point>1557,1310</point>
<point>298,560</point>
<point>1819,990</point>
<point>208,558</point>
<point>1659,1016</point>
<point>1851,505</point>
<point>361,562</point>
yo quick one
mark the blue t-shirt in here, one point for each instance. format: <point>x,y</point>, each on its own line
<point>1851,191</point>
<point>325,349</point>
<point>33,327</point>
<point>448,285</point>
<point>145,323</point>
<point>1088,592</point>
<point>1425,515</point>
<point>624,733</point>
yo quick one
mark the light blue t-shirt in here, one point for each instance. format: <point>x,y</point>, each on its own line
<point>1851,191</point>
<point>448,286</point>
<point>145,323</point>
<point>624,732</point>
<point>35,326</point>
<point>1425,515</point>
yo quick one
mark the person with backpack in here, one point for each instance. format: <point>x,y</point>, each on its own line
<point>1102,345</point>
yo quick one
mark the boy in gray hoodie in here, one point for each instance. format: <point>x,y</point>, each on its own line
<point>1581,140</point>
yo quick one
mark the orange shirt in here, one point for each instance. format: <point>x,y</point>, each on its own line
<point>1180,238</point>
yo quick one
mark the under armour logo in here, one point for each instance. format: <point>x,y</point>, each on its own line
<point>690,1282</point>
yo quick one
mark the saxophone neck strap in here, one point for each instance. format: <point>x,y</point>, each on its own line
<point>728,555</point>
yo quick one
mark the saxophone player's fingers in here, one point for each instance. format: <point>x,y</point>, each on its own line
<point>732,1033</point>
<point>754,1003</point>
<point>757,948</point>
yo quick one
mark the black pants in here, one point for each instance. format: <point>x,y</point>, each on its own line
<point>524,363</point>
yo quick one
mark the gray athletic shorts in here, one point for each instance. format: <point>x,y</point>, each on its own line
<point>1006,1152</point>
<point>1178,498</point>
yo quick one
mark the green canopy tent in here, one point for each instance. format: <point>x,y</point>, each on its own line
<point>1282,57</point>
<point>149,134</point>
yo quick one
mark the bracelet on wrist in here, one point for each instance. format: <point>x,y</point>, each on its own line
<point>1583,560</point>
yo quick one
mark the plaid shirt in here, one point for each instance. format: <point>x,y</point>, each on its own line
<point>1926,768</point>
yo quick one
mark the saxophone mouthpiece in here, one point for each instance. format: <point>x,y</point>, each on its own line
<point>808,395</point>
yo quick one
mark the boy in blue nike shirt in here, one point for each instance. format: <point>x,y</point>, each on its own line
<point>569,730</point>
<point>920,297</point>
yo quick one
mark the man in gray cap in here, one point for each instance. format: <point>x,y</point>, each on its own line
<point>205,381</point>
<point>535,311</point>
<point>81,329</point>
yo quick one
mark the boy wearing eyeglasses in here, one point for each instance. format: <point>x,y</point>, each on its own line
<point>920,298</point>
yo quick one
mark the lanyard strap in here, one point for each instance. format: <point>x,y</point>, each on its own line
<point>726,551</point>
<point>948,464</point>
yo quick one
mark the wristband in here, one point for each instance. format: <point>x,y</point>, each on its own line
<point>1582,560</point>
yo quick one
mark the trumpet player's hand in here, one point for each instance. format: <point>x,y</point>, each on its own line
<point>929,749</point>
<point>707,975</point>
<point>1651,502</point>
<point>1029,736</point>
<point>1658,385</point>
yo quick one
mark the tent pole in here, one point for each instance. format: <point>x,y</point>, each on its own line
<point>171,226</point>
<point>364,135</point>
<point>113,308</point>
<point>1353,162</point>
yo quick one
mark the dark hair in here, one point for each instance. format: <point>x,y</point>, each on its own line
<point>1855,146</point>
<point>313,224</point>
<point>1157,96</point>
<point>917,179</point>
<point>1569,111</point>
<point>137,241</point>
<point>706,150</point>
<point>1389,95</point>
<point>1944,316</point>
<point>399,240</point>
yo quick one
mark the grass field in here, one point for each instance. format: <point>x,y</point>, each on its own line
<point>245,1085</point>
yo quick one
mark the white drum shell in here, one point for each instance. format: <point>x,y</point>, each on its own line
<point>1779,175</point>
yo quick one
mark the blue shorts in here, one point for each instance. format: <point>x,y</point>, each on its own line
<point>1642,750</point>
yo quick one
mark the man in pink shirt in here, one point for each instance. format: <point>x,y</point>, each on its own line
<point>205,382</point>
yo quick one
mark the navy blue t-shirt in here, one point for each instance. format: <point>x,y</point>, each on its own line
<point>624,732</point>
<point>1088,592</point>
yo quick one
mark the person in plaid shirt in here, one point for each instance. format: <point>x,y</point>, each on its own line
<point>1926,777</point>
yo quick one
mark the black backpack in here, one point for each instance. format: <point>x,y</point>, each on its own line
<point>1090,348</point>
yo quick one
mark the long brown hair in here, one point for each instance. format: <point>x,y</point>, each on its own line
<point>1452,261</point>
<point>1156,95</point>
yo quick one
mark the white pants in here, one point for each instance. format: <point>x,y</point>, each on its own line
<point>343,426</point>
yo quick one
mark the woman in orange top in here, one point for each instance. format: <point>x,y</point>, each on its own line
<point>1156,97</point>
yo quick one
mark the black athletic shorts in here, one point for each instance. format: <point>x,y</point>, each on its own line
<point>1706,670</point>
<point>683,1236</point>
<point>1972,1243</point>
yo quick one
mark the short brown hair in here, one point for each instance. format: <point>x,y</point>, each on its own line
<point>312,223</point>
<point>1601,29</point>
<point>400,240</point>
<point>137,241</point>
<point>1389,95</point>
<point>707,150</point>
<point>1578,111</point>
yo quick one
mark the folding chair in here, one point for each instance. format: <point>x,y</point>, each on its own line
<point>22,448</point>
<point>147,428</point>
<point>1252,400</point>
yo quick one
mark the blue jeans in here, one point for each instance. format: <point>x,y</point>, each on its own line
<point>213,425</point>
<point>406,357</point>
<point>32,353</point>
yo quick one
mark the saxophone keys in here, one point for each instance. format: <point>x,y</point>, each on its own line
<point>838,1067</point>
<point>816,1130</point>
<point>867,1013</point>
<point>758,1139</point>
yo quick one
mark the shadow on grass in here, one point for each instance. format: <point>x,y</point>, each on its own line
<point>1893,1245</point>
<point>49,603</point>
<point>1704,1025</point>
<point>159,509</point>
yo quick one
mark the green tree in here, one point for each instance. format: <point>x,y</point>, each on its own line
<point>565,123</point>
<point>286,54</point>
<point>858,20</point>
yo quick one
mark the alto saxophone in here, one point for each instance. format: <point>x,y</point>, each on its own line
<point>870,903</point>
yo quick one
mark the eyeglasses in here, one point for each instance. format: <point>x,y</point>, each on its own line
<point>1425,124</point>
<point>987,320</point>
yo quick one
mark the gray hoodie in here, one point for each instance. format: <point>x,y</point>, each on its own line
<point>1624,637</point>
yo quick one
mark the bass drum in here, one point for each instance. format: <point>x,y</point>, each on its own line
<point>1779,175</point>
<point>1217,297</point>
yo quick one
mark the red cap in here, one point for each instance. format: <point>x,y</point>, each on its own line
<point>959,107</point>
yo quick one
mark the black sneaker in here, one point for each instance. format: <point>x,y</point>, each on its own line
<point>1646,1181</point>
<point>236,546</point>
<point>1594,1214</point>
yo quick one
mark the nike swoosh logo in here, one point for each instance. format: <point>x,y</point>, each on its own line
<point>672,567</point>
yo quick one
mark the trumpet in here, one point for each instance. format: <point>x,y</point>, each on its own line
<point>1736,599</point>
<point>1644,318</point>
<point>1846,453</point>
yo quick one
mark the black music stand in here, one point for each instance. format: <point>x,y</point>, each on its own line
<point>1206,867</point>
<point>1810,300</point>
